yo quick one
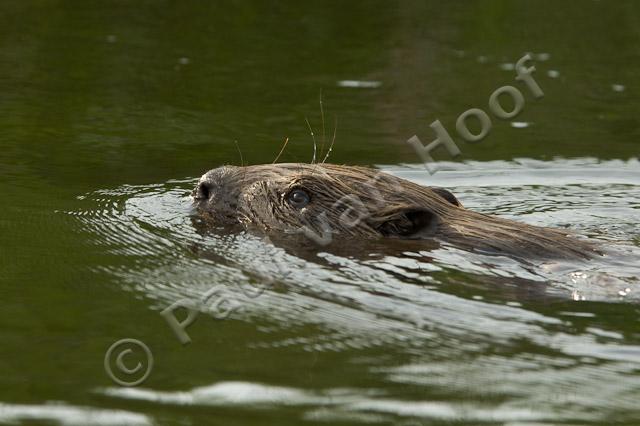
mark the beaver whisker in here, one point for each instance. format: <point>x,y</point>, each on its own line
<point>335,129</point>
<point>313,137</point>
<point>281,150</point>
<point>239,152</point>
<point>323,129</point>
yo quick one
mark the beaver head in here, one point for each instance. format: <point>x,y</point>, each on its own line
<point>328,202</point>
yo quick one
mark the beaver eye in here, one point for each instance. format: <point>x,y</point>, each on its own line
<point>298,198</point>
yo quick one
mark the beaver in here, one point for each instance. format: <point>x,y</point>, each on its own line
<point>327,202</point>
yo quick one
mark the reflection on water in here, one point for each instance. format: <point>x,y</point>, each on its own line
<point>498,331</point>
<point>69,415</point>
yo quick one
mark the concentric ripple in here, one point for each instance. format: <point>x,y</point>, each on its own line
<point>493,329</point>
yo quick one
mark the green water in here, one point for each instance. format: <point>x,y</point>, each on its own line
<point>110,110</point>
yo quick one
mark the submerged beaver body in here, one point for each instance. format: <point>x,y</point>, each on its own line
<point>326,202</point>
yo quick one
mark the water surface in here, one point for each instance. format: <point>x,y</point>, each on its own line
<point>111,111</point>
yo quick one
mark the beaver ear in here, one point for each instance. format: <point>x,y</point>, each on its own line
<point>446,195</point>
<point>407,222</point>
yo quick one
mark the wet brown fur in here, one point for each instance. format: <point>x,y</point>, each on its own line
<point>358,202</point>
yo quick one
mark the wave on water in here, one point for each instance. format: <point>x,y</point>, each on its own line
<point>459,317</point>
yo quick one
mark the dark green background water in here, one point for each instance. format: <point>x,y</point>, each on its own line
<point>98,95</point>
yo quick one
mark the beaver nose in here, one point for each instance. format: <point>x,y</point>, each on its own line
<point>203,191</point>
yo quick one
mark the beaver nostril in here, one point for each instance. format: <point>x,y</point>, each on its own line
<point>202,191</point>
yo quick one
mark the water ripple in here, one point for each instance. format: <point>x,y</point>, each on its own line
<point>492,328</point>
